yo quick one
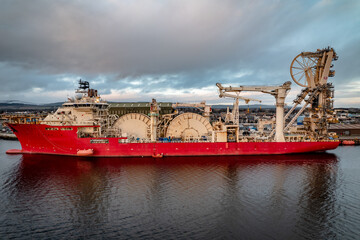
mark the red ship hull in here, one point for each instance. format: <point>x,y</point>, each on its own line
<point>63,140</point>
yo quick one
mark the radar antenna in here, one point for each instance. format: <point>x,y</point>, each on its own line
<point>83,86</point>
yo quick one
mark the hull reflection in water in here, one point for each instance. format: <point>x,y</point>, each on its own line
<point>179,197</point>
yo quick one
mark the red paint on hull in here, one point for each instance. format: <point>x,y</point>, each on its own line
<point>34,138</point>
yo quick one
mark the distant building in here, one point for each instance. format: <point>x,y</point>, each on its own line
<point>345,129</point>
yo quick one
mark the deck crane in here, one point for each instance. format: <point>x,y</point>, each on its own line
<point>234,116</point>
<point>279,92</point>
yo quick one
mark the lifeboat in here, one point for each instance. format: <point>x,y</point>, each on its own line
<point>159,155</point>
<point>348,142</point>
<point>85,152</point>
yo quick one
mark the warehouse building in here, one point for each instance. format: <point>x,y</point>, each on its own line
<point>123,108</point>
<point>342,129</point>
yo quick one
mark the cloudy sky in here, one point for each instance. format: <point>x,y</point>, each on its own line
<point>173,50</point>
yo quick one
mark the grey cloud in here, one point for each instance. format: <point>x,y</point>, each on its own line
<point>347,67</point>
<point>191,44</point>
<point>140,37</point>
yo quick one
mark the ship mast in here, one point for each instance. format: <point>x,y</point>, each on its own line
<point>154,114</point>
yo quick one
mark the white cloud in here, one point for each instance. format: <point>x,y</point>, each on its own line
<point>169,49</point>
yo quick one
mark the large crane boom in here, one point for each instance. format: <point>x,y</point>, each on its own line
<point>279,92</point>
<point>235,115</point>
<point>246,99</point>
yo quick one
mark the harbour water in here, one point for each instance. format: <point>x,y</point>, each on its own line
<point>305,196</point>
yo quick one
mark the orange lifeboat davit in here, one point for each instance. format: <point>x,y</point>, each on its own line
<point>85,152</point>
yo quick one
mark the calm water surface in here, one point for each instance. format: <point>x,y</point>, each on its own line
<point>309,196</point>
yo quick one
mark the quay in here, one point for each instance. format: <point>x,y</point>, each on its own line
<point>8,136</point>
<point>349,134</point>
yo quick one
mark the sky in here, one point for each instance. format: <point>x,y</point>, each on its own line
<point>135,50</point>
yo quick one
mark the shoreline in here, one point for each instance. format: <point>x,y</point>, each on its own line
<point>8,136</point>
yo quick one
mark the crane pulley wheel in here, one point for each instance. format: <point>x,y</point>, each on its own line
<point>301,67</point>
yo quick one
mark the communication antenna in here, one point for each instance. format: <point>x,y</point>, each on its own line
<point>83,86</point>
